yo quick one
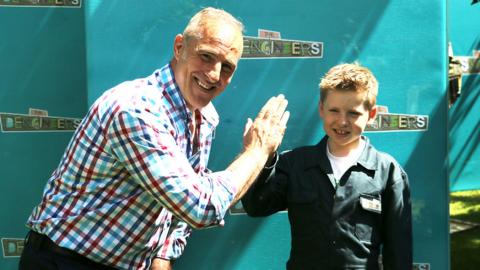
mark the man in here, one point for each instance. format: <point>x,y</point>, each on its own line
<point>133,179</point>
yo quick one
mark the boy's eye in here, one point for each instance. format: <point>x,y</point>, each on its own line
<point>333,110</point>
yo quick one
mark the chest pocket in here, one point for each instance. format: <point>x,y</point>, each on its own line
<point>368,207</point>
<point>308,213</point>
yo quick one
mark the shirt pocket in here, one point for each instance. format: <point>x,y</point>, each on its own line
<point>304,215</point>
<point>368,218</point>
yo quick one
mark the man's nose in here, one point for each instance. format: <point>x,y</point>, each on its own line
<point>214,73</point>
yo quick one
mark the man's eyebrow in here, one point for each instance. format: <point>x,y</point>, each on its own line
<point>215,53</point>
<point>230,63</point>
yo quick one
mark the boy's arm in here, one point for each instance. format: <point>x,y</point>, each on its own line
<point>268,194</point>
<point>397,247</point>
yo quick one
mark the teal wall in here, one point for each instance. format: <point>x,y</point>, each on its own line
<point>42,65</point>
<point>403,42</point>
<point>48,54</point>
<point>464,123</point>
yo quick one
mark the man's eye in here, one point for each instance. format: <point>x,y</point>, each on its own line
<point>227,68</point>
<point>206,57</point>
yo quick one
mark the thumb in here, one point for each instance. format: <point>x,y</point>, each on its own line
<point>248,125</point>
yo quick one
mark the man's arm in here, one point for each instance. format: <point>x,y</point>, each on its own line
<point>261,139</point>
<point>152,157</point>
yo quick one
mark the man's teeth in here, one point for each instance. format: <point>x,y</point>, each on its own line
<point>342,132</point>
<point>203,85</point>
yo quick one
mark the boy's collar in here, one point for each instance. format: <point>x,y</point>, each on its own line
<point>368,158</point>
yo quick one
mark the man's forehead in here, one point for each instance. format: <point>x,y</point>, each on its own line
<point>219,31</point>
<point>215,45</point>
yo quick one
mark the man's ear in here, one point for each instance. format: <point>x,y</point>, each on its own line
<point>178,46</point>
<point>372,114</point>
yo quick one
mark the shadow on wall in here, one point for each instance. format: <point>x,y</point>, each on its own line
<point>427,191</point>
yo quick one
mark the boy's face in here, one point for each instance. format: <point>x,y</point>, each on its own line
<point>344,119</point>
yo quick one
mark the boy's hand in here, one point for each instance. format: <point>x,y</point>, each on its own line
<point>267,130</point>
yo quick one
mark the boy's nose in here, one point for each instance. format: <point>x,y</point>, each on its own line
<point>343,121</point>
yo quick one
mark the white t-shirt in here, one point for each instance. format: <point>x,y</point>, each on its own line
<point>341,164</point>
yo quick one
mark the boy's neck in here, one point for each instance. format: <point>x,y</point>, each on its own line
<point>344,150</point>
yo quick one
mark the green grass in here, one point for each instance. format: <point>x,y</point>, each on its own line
<point>465,246</point>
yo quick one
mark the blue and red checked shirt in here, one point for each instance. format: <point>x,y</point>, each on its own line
<point>131,182</point>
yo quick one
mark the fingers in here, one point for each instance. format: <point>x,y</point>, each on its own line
<point>274,107</point>
<point>268,128</point>
<point>248,125</point>
<point>266,107</point>
<point>284,120</point>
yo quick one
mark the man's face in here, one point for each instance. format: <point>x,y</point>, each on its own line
<point>204,67</point>
<point>344,119</point>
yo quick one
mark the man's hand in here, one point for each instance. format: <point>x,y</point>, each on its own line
<point>261,139</point>
<point>161,264</point>
<point>267,130</point>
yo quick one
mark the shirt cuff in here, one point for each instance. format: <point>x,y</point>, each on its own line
<point>270,165</point>
<point>222,185</point>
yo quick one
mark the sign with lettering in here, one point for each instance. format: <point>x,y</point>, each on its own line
<point>12,247</point>
<point>42,3</point>
<point>269,44</point>
<point>10,122</point>
<point>254,47</point>
<point>398,122</point>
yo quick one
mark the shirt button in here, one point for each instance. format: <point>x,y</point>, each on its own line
<point>333,243</point>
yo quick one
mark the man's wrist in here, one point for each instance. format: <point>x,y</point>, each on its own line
<point>271,161</point>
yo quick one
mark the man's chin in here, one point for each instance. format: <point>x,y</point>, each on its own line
<point>199,104</point>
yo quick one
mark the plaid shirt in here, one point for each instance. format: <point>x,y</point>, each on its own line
<point>131,179</point>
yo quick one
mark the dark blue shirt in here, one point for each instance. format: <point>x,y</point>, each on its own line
<point>344,227</point>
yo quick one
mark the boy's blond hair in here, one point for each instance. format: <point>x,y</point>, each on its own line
<point>350,77</point>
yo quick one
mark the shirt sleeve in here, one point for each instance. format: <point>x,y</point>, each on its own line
<point>150,154</point>
<point>397,247</point>
<point>176,241</point>
<point>268,194</point>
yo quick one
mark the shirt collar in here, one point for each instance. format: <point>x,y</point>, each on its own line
<point>368,158</point>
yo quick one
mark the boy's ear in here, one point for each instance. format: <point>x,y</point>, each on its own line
<point>372,114</point>
<point>320,109</point>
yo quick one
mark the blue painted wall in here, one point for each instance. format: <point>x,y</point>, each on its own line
<point>464,122</point>
<point>42,65</point>
<point>403,42</point>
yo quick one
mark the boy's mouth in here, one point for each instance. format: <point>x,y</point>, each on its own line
<point>340,132</point>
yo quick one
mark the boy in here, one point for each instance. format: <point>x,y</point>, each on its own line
<point>344,198</point>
